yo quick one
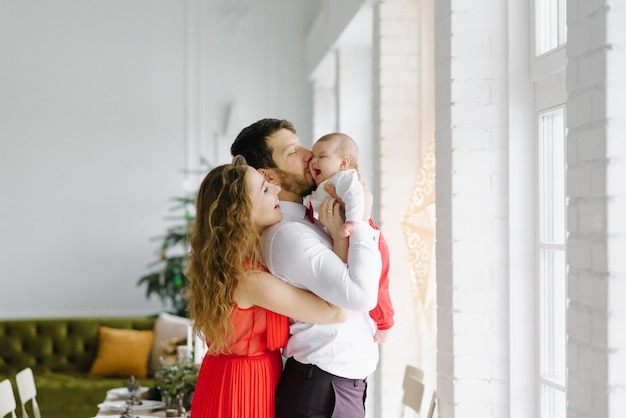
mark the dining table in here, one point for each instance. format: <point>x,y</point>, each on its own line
<point>115,401</point>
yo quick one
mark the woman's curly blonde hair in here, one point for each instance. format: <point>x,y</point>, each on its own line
<point>224,244</point>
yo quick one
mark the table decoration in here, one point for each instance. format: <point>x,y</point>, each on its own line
<point>119,406</point>
<point>177,384</point>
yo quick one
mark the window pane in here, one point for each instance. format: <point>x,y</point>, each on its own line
<point>550,28</point>
<point>552,402</point>
<point>552,263</point>
<point>552,293</point>
<point>562,24</point>
<point>552,176</point>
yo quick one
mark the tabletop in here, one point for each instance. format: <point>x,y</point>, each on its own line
<point>115,396</point>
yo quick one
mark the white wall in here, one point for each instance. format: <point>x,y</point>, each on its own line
<point>397,118</point>
<point>475,138</point>
<point>253,60</point>
<point>91,131</point>
<point>596,158</point>
<point>102,104</point>
<point>472,209</point>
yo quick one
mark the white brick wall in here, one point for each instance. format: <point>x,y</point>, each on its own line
<point>472,223</point>
<point>596,87</point>
<point>475,149</point>
<point>399,123</point>
<point>471,115</point>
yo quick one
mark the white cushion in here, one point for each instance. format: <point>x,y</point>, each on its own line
<point>166,327</point>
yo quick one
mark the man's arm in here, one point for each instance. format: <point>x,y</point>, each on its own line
<point>297,253</point>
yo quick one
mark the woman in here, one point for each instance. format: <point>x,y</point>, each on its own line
<point>237,305</point>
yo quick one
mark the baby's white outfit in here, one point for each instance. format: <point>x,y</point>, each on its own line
<point>348,189</point>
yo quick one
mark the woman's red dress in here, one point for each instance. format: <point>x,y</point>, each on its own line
<point>243,384</point>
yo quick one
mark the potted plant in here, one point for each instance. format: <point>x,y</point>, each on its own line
<point>177,384</point>
<point>168,279</point>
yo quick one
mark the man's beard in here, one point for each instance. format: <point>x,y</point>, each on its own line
<point>295,184</point>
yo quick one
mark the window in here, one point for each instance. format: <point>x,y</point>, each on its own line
<point>552,271</point>
<point>550,29</point>
<point>548,63</point>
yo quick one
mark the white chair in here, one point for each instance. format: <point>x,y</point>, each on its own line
<point>27,390</point>
<point>413,389</point>
<point>7,399</point>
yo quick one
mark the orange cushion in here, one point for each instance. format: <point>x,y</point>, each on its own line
<point>122,353</point>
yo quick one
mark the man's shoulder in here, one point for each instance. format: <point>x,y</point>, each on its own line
<point>287,241</point>
<point>288,226</point>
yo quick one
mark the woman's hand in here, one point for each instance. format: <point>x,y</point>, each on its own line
<point>331,216</point>
<point>368,199</point>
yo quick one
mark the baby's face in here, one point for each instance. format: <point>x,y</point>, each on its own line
<point>326,161</point>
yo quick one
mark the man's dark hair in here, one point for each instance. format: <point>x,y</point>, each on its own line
<point>252,142</point>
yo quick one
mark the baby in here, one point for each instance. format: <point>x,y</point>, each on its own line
<point>335,157</point>
<point>334,161</point>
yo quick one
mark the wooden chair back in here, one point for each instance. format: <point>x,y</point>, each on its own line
<point>413,387</point>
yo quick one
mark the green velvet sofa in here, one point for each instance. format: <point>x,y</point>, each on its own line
<point>60,352</point>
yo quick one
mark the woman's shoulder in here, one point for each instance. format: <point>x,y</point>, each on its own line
<point>249,265</point>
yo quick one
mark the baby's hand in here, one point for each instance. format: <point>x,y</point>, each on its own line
<point>382,335</point>
<point>347,228</point>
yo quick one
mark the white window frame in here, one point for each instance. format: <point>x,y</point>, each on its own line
<point>552,373</point>
<point>547,71</point>
<point>553,10</point>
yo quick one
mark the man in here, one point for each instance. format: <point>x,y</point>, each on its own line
<point>327,365</point>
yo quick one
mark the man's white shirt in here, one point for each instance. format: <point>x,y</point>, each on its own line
<point>301,254</point>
